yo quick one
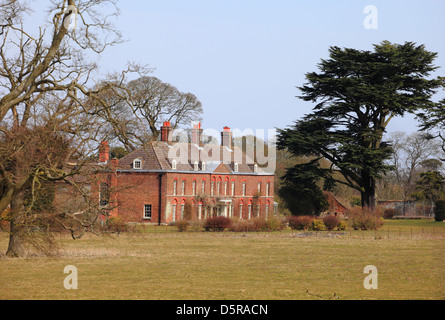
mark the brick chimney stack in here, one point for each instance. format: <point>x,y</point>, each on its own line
<point>227,138</point>
<point>104,152</point>
<point>166,132</point>
<point>197,134</point>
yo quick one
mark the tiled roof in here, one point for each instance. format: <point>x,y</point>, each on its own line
<point>158,156</point>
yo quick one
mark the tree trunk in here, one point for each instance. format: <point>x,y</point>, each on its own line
<point>368,195</point>
<point>16,247</point>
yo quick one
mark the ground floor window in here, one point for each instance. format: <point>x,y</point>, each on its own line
<point>147,211</point>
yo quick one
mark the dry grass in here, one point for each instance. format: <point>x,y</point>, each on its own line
<point>201,266</point>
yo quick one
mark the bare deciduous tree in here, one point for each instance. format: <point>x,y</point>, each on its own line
<point>45,120</point>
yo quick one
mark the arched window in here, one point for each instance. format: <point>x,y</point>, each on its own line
<point>200,211</point>
<point>255,168</point>
<point>267,208</point>
<point>241,209</point>
<point>174,206</point>
<point>249,210</point>
<point>104,194</point>
<point>174,164</point>
<point>196,166</point>
<point>182,209</point>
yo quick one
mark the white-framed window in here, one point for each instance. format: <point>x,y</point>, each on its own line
<point>200,211</point>
<point>267,211</point>
<point>175,187</point>
<point>182,211</point>
<point>259,187</point>
<point>212,186</point>
<point>236,167</point>
<point>196,166</point>
<point>204,166</point>
<point>137,164</point>
<point>218,187</point>
<point>268,189</point>
<point>241,206</point>
<point>233,188</point>
<point>203,186</point>
<point>225,188</point>
<point>147,211</point>
<point>174,165</point>
<point>249,212</point>
<point>174,212</point>
<point>194,188</point>
<point>244,188</point>
<point>183,187</point>
<point>255,168</point>
<point>104,194</point>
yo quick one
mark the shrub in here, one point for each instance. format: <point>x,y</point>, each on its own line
<point>365,219</point>
<point>196,225</point>
<point>182,225</point>
<point>260,225</point>
<point>342,226</point>
<point>276,224</point>
<point>389,213</point>
<point>331,222</point>
<point>300,222</point>
<point>117,225</point>
<point>318,225</point>
<point>439,212</point>
<point>217,223</point>
<point>241,226</point>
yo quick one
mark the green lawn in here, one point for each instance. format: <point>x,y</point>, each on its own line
<point>202,266</point>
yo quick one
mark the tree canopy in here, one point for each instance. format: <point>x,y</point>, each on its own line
<point>356,94</point>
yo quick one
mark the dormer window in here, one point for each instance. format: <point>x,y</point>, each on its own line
<point>204,166</point>
<point>174,165</point>
<point>137,164</point>
<point>196,166</point>
<point>255,168</point>
<point>236,168</point>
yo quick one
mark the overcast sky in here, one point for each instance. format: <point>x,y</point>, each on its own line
<point>244,59</point>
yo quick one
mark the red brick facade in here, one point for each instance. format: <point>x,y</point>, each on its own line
<point>148,186</point>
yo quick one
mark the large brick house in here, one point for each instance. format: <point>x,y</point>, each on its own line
<point>164,181</point>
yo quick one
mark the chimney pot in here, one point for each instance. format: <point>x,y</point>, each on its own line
<point>226,137</point>
<point>166,132</point>
<point>197,134</point>
<point>104,152</point>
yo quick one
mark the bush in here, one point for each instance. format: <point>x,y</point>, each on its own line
<point>342,226</point>
<point>331,222</point>
<point>117,225</point>
<point>217,224</point>
<point>196,225</point>
<point>241,226</point>
<point>182,225</point>
<point>318,225</point>
<point>439,212</point>
<point>389,213</point>
<point>260,225</point>
<point>300,222</point>
<point>365,219</point>
<point>276,224</point>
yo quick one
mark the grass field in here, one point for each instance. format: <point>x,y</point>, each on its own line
<point>162,264</point>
